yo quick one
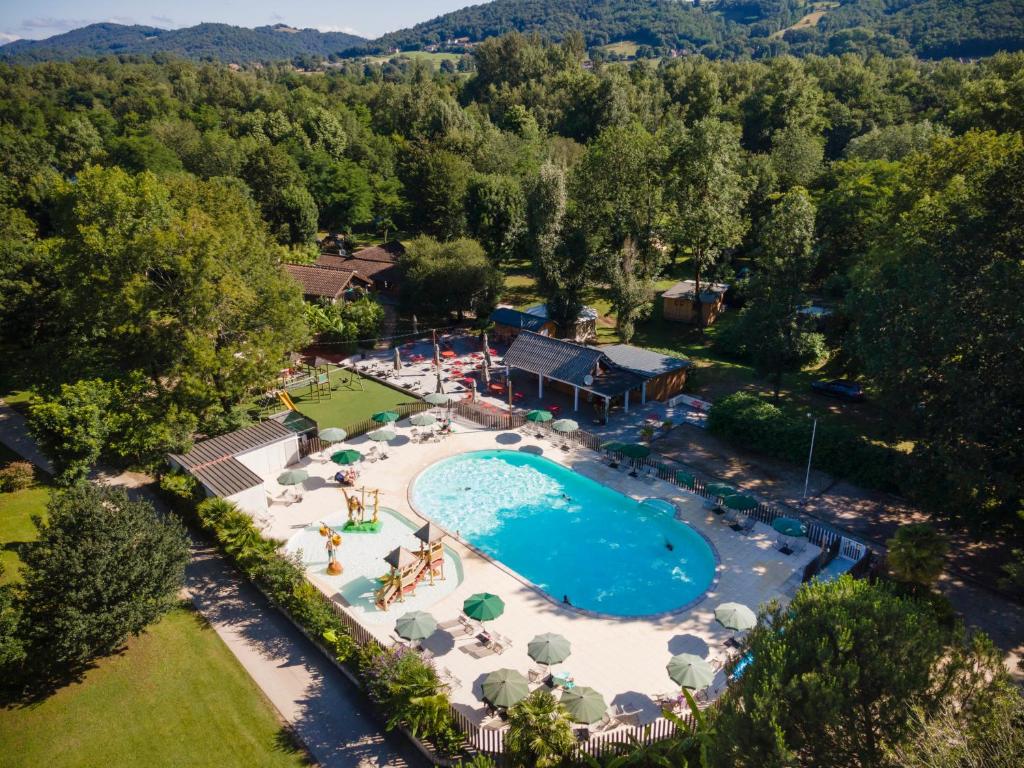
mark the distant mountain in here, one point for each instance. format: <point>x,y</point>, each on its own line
<point>717,28</point>
<point>222,42</point>
<point>732,28</point>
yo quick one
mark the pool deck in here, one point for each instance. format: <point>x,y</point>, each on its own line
<point>623,658</point>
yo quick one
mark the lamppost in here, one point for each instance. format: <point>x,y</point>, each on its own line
<point>810,454</point>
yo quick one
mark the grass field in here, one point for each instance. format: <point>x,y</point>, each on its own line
<point>623,48</point>
<point>431,58</point>
<point>16,510</point>
<point>175,697</point>
<point>349,403</point>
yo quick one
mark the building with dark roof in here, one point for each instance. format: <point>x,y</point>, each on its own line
<point>678,302</point>
<point>234,466</point>
<point>509,323</point>
<point>629,374</point>
<point>378,263</point>
<point>324,284</point>
<point>582,329</point>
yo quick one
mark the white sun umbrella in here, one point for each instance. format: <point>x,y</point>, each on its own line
<point>565,426</point>
<point>437,357</point>
<point>440,384</point>
<point>382,435</point>
<point>398,361</point>
<point>487,353</point>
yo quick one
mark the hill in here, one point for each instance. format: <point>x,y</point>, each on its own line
<point>731,28</point>
<point>203,41</point>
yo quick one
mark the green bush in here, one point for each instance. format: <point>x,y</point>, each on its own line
<point>16,476</point>
<point>179,485</point>
<point>753,423</point>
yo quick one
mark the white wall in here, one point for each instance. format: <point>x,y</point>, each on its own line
<point>269,460</point>
<point>253,500</point>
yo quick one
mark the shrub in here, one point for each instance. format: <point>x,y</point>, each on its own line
<point>748,420</point>
<point>179,485</point>
<point>16,476</point>
<point>917,554</point>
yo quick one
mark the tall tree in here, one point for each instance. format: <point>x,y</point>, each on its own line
<point>631,288</point>
<point>441,279</point>
<point>103,568</point>
<point>496,213</point>
<point>836,675</point>
<point>775,335</point>
<point>72,428</point>
<point>709,193</point>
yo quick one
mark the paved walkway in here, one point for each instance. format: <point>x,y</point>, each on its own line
<point>326,711</point>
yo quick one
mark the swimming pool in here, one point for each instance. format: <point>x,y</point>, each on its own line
<point>567,534</point>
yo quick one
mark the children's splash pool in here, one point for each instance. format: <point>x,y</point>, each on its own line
<point>362,557</point>
<point>567,534</point>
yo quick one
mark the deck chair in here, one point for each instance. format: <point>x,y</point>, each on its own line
<point>536,675</point>
<point>608,722</point>
<point>480,651</point>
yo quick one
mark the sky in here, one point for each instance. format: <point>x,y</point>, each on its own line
<point>37,19</point>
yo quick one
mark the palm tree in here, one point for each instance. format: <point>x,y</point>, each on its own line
<point>539,734</point>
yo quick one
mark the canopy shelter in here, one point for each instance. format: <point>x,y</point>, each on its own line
<point>579,367</point>
<point>430,533</point>
<point>415,625</point>
<point>505,687</point>
<point>690,671</point>
<point>585,705</point>
<point>549,648</point>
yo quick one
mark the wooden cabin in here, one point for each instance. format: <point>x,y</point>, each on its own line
<point>678,301</point>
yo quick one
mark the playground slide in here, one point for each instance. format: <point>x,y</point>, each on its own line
<point>389,593</point>
<point>286,399</point>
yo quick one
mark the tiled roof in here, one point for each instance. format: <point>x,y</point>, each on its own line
<point>213,461</point>
<point>642,361</point>
<point>569,363</point>
<point>320,281</point>
<point>379,266</point>
<point>516,319</point>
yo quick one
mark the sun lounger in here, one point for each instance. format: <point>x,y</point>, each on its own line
<point>479,651</point>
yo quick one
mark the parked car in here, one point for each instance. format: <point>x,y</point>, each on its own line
<point>841,388</point>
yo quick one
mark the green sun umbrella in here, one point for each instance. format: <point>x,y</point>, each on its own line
<point>789,526</point>
<point>346,457</point>
<point>565,425</point>
<point>585,705</point>
<point>735,616</point>
<point>549,649</point>
<point>385,417</point>
<point>423,419</point>
<point>635,451</point>
<point>685,479</point>
<point>539,416</point>
<point>382,435</point>
<point>437,398</point>
<point>483,606</point>
<point>612,445</point>
<point>740,502</point>
<point>293,477</point>
<point>718,490</point>
<point>505,687</point>
<point>690,671</point>
<point>332,435</point>
<point>415,625</point>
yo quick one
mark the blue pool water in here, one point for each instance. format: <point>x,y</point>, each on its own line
<point>568,534</point>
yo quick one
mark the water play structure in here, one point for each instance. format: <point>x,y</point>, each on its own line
<point>357,522</point>
<point>333,542</point>
<point>409,568</point>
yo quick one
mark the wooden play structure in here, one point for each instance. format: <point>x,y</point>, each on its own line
<point>333,542</point>
<point>319,381</point>
<point>357,509</point>
<point>408,568</point>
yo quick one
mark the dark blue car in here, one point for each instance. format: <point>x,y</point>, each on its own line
<point>841,388</point>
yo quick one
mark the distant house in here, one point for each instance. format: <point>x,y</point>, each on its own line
<point>583,329</point>
<point>678,301</point>
<point>605,377</point>
<point>234,466</point>
<point>378,263</point>
<point>324,284</point>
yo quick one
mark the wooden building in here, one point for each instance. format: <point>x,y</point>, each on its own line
<point>678,301</point>
<point>664,376</point>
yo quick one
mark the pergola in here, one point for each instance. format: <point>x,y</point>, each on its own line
<point>583,368</point>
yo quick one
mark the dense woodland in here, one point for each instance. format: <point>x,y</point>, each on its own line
<point>146,207</point>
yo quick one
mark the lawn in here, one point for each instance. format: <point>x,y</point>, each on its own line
<point>175,697</point>
<point>350,402</point>
<point>16,510</point>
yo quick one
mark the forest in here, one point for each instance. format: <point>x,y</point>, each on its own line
<point>146,208</point>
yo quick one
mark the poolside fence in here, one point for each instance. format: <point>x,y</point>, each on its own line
<point>655,465</point>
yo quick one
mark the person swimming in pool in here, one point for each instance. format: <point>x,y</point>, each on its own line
<point>565,599</point>
<point>669,545</point>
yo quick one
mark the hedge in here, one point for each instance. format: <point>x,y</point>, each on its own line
<point>750,422</point>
